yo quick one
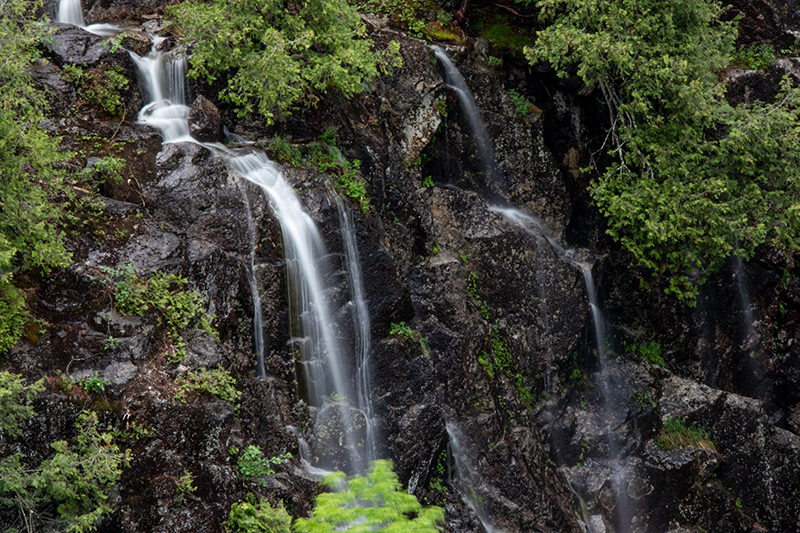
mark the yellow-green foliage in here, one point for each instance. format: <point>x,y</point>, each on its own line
<point>217,382</point>
<point>375,502</point>
<point>15,399</point>
<point>691,180</point>
<point>256,515</point>
<point>163,293</point>
<point>676,434</point>
<point>101,85</point>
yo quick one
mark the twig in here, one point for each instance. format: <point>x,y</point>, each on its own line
<point>124,111</point>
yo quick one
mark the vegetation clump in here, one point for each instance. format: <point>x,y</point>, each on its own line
<point>275,54</point>
<point>676,434</point>
<point>76,480</point>
<point>217,382</point>
<point>375,502</point>
<point>163,293</point>
<point>30,180</point>
<point>691,179</point>
<point>101,85</point>
<point>253,464</point>
<point>256,515</point>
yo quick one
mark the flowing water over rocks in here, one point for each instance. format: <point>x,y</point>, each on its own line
<point>500,394</point>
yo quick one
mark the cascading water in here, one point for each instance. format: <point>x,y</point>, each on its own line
<point>162,81</point>
<point>538,230</point>
<point>258,324</point>
<point>320,355</point>
<point>361,322</point>
<point>465,478</point>
<point>70,12</point>
<point>482,140</point>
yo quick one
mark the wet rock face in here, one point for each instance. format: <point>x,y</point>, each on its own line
<point>205,123</point>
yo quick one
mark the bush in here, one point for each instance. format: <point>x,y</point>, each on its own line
<point>375,503</point>
<point>256,515</point>
<point>252,463</point>
<point>217,382</point>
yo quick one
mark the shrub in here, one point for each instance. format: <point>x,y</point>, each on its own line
<point>374,502</point>
<point>163,293</point>
<point>101,85</point>
<point>217,382</point>
<point>256,515</point>
<point>252,463</point>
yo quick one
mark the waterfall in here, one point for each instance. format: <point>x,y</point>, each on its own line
<point>317,348</point>
<point>258,323</point>
<point>70,12</point>
<point>162,81</point>
<point>456,82</point>
<point>465,478</point>
<point>538,230</point>
<point>361,323</point>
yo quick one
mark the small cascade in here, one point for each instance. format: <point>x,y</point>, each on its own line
<point>466,478</point>
<point>483,142</point>
<point>361,322</point>
<point>747,320</point>
<point>258,323</point>
<point>538,230</point>
<point>162,82</point>
<point>70,12</point>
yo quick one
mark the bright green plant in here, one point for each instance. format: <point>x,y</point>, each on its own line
<point>689,175</point>
<point>185,484</point>
<point>676,434</point>
<point>15,399</point>
<point>759,57</point>
<point>77,479</point>
<point>252,463</point>
<point>521,104</point>
<point>256,515</point>
<point>276,54</point>
<point>324,155</point>
<point>427,182</point>
<point>402,330</point>
<point>217,382</point>
<point>163,293</point>
<point>649,350</point>
<point>100,84</point>
<point>286,152</point>
<point>94,384</point>
<point>375,502</point>
<point>107,168</point>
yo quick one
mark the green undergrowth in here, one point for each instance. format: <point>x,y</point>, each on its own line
<point>650,350</point>
<point>676,434</point>
<point>252,463</point>
<point>216,382</point>
<point>325,156</point>
<point>375,502</point>
<point>100,85</point>
<point>75,482</point>
<point>256,515</point>
<point>406,332</point>
<point>496,360</point>
<point>175,307</point>
<point>505,32</point>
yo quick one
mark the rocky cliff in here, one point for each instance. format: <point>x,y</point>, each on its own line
<point>500,406</point>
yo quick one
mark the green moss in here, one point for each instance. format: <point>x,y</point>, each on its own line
<point>676,434</point>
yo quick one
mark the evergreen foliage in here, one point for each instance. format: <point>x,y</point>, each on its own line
<point>276,53</point>
<point>693,180</point>
<point>375,502</point>
<point>29,234</point>
<point>77,478</point>
<point>217,382</point>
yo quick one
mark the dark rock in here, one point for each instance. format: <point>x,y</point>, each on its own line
<point>205,122</point>
<point>75,46</point>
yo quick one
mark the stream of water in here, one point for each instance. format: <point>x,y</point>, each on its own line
<point>318,350</point>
